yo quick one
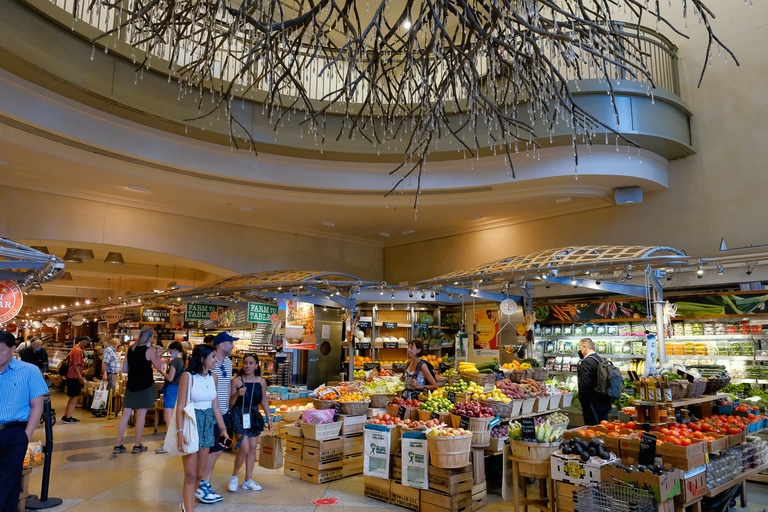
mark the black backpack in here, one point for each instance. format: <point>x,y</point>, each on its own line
<point>609,380</point>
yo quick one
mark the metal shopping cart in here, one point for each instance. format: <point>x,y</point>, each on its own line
<point>613,496</point>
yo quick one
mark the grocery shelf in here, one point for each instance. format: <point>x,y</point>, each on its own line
<point>593,337</point>
<point>687,401</point>
<point>700,356</point>
<point>561,372</point>
<point>715,337</point>
<point>606,356</point>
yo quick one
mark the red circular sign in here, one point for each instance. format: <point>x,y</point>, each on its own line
<point>11,300</point>
<point>325,501</point>
<point>274,318</point>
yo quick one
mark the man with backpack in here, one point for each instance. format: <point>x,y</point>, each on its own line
<point>594,404</point>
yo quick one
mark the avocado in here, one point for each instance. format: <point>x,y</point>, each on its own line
<point>584,456</point>
<point>566,450</point>
<point>577,449</point>
<point>591,451</point>
<point>605,456</point>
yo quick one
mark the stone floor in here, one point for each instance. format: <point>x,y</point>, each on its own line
<point>87,476</point>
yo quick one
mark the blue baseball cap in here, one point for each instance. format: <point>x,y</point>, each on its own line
<point>223,337</point>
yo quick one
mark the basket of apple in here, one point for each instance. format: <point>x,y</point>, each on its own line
<point>411,406</point>
<point>449,448</point>
<point>420,426</point>
<point>385,419</point>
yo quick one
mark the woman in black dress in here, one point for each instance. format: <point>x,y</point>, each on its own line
<point>246,391</point>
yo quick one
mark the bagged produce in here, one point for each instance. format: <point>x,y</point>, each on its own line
<point>318,416</point>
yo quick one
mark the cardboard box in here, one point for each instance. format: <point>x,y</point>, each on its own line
<point>451,481</point>
<point>685,458</point>
<point>666,506</point>
<point>609,441</point>
<point>497,445</point>
<point>322,451</point>
<point>681,464</point>
<point>353,465</point>
<point>664,487</point>
<point>570,469</point>
<point>353,444</point>
<point>291,469</point>
<point>404,496</point>
<point>396,467</point>
<point>692,485</point>
<point>352,424</point>
<point>720,443</point>
<point>321,476</point>
<point>377,488</point>
<point>439,502</point>
<point>478,465</point>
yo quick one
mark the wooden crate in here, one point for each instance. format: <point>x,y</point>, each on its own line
<point>353,465</point>
<point>352,424</point>
<point>353,444</point>
<point>323,451</point>
<point>377,488</point>
<point>321,476</point>
<point>439,502</point>
<point>404,496</point>
<point>451,481</point>
<point>291,469</point>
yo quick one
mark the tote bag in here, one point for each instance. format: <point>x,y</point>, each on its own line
<point>189,426</point>
<point>100,398</point>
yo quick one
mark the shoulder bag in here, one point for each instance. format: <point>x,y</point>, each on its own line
<point>188,426</point>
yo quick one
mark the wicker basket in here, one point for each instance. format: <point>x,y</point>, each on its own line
<point>518,375</point>
<point>441,381</point>
<point>379,400</point>
<point>679,388</point>
<point>532,451</point>
<point>324,404</point>
<point>696,388</point>
<point>500,409</point>
<point>354,408</point>
<point>715,384</point>
<point>540,374</point>
<point>451,379</point>
<point>449,452</point>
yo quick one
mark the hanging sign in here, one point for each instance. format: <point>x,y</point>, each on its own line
<point>50,322</point>
<point>112,317</point>
<point>11,300</point>
<point>37,324</point>
<point>199,311</point>
<point>77,320</point>
<point>155,315</point>
<point>508,307</point>
<point>259,313</point>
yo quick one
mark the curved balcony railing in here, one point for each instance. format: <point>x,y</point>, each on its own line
<point>660,57</point>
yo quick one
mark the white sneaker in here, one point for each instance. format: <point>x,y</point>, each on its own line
<point>251,485</point>
<point>233,483</point>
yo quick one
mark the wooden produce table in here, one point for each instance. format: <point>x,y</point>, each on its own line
<point>530,469</point>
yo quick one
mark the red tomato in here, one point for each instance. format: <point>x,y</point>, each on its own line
<point>734,430</point>
<point>696,427</point>
<point>665,431</point>
<point>609,426</point>
<point>685,442</point>
<point>631,425</point>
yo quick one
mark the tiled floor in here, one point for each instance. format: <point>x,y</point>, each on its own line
<point>87,476</point>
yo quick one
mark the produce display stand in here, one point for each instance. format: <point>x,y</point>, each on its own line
<point>736,481</point>
<point>704,401</point>
<point>530,469</point>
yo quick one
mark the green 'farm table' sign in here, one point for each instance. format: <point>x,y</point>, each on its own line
<point>262,313</point>
<point>197,311</point>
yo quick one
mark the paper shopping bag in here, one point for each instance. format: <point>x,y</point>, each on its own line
<point>271,452</point>
<point>100,398</point>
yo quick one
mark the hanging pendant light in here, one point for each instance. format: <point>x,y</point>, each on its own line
<point>114,257</point>
<point>70,257</point>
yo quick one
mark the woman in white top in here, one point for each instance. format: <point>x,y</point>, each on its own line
<point>200,376</point>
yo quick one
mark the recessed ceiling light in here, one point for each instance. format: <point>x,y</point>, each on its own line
<point>245,208</point>
<point>328,223</point>
<point>562,200</point>
<point>138,188</point>
<point>410,231</point>
<point>382,233</point>
<point>476,217</point>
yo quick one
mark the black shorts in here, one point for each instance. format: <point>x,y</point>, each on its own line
<point>74,388</point>
<point>217,432</point>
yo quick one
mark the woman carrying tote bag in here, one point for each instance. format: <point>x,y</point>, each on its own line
<point>198,386</point>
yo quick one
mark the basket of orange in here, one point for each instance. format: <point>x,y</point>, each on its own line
<point>325,397</point>
<point>353,404</point>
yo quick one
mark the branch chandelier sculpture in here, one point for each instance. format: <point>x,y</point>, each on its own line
<point>406,72</point>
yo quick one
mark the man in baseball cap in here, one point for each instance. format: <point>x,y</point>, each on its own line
<point>222,347</point>
<point>75,378</point>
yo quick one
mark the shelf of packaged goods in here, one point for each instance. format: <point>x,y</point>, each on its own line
<point>716,337</point>
<point>715,357</point>
<point>593,337</point>
<point>381,324</point>
<point>562,372</point>
<point>736,481</point>
<point>530,415</point>
<point>687,401</point>
<point>606,356</point>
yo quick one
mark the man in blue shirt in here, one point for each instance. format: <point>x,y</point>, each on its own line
<point>22,388</point>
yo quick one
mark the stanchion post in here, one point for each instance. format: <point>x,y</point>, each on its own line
<point>32,502</point>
